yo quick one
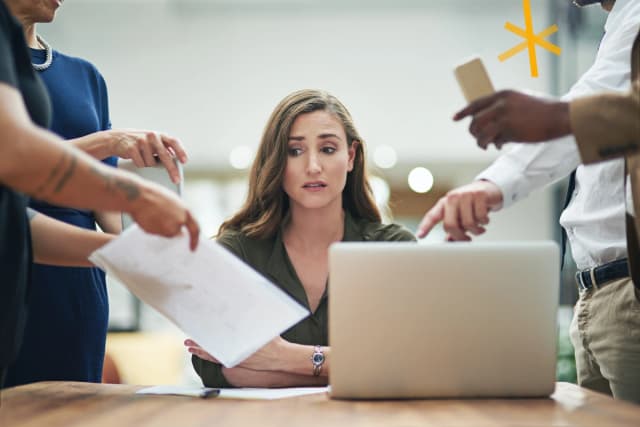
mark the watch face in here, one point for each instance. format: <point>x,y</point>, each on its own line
<point>318,358</point>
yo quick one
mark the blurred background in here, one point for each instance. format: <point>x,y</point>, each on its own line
<point>211,71</point>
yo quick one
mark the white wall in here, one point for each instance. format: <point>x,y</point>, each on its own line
<point>212,71</point>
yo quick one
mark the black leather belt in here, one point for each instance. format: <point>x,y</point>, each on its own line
<point>602,274</point>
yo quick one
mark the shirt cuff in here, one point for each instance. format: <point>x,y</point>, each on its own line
<point>506,176</point>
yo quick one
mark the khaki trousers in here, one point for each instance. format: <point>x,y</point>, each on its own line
<point>605,332</point>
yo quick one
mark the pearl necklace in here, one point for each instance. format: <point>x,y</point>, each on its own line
<point>48,55</point>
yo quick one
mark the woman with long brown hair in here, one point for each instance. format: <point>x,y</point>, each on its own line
<point>308,188</point>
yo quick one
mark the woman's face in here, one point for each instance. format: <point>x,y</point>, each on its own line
<point>35,11</point>
<point>318,161</point>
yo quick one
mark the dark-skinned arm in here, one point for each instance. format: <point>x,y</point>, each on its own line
<point>510,116</point>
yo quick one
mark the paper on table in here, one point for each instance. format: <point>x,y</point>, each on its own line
<point>234,393</point>
<point>215,298</point>
<point>268,393</point>
<point>180,391</point>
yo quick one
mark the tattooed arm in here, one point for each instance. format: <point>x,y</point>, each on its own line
<point>38,163</point>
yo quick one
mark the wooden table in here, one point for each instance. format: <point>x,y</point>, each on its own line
<point>54,404</point>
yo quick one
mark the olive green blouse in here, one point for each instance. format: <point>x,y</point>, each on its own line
<point>269,257</point>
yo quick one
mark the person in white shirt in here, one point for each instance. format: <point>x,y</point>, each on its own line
<point>605,330</point>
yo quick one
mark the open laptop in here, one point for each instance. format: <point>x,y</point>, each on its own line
<point>443,320</point>
<point>157,174</point>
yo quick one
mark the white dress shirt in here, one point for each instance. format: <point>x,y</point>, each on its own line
<point>595,218</point>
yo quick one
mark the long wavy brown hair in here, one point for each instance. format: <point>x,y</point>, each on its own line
<point>267,204</point>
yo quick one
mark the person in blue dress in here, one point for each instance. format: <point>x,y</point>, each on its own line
<point>37,163</point>
<point>65,334</point>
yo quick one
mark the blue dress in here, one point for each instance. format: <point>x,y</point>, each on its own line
<point>65,333</point>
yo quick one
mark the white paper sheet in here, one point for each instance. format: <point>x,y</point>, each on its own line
<point>234,393</point>
<point>215,298</point>
<point>268,393</point>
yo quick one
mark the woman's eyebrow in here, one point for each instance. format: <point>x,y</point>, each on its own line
<point>328,135</point>
<point>296,138</point>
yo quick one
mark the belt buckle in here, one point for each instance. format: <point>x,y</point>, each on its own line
<point>582,287</point>
<point>592,274</point>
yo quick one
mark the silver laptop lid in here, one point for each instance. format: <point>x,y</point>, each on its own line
<point>443,320</point>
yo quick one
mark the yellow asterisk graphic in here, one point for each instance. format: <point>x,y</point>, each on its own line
<point>531,40</point>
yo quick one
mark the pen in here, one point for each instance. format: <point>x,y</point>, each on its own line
<point>209,392</point>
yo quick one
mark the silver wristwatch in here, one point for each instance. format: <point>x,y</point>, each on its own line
<point>317,359</point>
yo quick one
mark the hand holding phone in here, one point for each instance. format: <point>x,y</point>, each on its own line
<point>473,79</point>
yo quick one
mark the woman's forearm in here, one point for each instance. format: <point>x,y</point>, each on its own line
<point>279,364</point>
<point>78,243</point>
<point>296,359</point>
<point>98,144</point>
<point>241,377</point>
<point>36,162</point>
<point>39,164</point>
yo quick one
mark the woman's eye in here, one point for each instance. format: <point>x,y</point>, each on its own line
<point>294,152</point>
<point>328,150</point>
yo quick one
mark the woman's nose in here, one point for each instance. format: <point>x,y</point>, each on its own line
<point>313,164</point>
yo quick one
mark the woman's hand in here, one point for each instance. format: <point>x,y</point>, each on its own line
<point>268,358</point>
<point>146,148</point>
<point>157,210</point>
<point>194,348</point>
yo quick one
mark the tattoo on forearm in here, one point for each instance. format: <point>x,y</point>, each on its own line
<point>64,170</point>
<point>67,174</point>
<point>129,188</point>
<point>52,175</point>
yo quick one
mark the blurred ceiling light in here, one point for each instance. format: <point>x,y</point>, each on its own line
<point>385,156</point>
<point>420,180</point>
<point>241,157</point>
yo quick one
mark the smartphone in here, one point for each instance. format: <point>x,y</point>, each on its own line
<point>473,79</point>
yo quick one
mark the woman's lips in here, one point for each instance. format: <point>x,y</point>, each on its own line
<point>314,186</point>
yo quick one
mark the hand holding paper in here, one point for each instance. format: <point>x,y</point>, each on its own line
<point>223,304</point>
